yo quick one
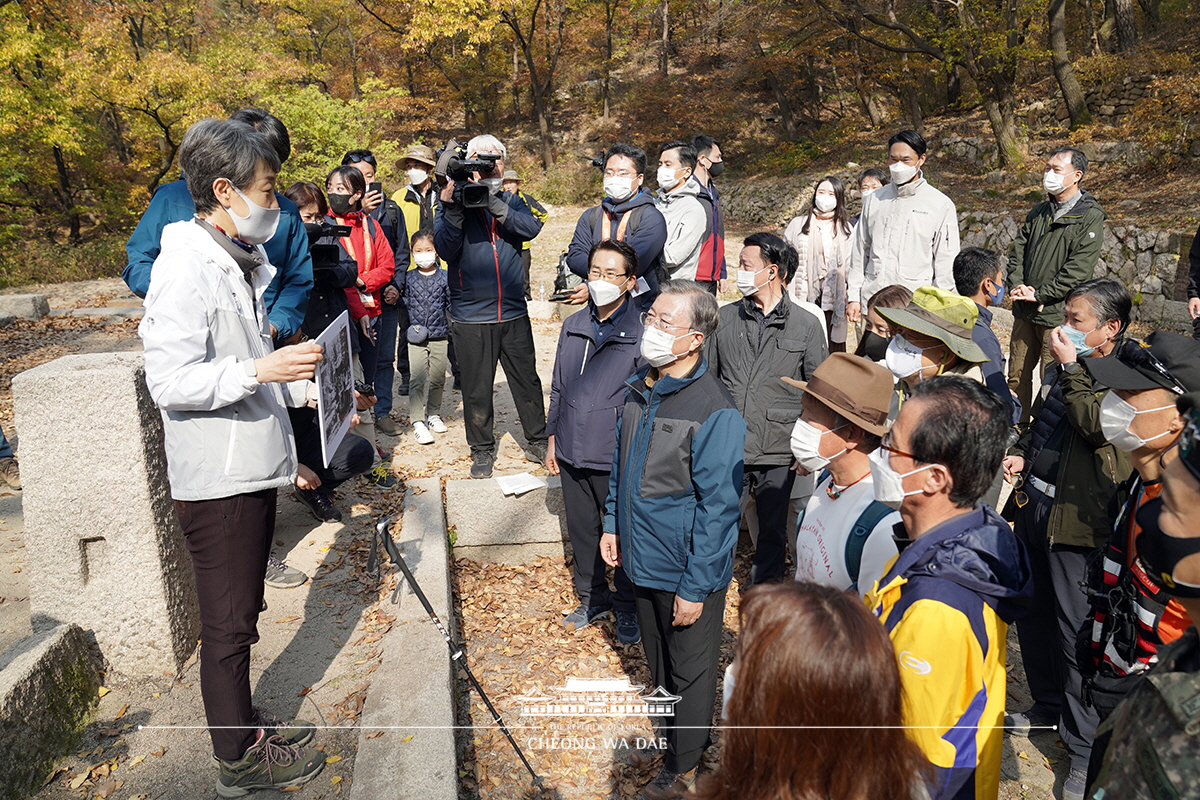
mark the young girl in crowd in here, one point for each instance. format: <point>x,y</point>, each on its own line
<point>879,331</point>
<point>822,240</point>
<point>815,679</point>
<point>427,298</point>
<point>370,250</point>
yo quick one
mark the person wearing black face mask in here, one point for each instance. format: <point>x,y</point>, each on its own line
<point>878,331</point>
<point>1153,751</point>
<point>1132,616</point>
<point>710,163</point>
<point>979,276</point>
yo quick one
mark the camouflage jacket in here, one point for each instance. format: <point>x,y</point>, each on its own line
<point>1155,747</point>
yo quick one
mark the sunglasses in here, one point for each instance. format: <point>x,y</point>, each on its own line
<point>354,158</point>
<point>1137,354</point>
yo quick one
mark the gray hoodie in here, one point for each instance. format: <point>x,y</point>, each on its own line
<point>687,228</point>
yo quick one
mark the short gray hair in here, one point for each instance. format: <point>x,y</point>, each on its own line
<point>221,148</point>
<point>488,141</point>
<point>702,306</point>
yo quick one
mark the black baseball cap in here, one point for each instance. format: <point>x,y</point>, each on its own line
<point>1163,360</point>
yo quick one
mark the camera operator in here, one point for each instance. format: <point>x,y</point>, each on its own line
<point>489,319</point>
<point>334,271</point>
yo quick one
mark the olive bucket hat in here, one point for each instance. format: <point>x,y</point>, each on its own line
<point>942,315</point>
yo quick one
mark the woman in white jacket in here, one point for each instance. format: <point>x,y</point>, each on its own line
<point>223,393</point>
<point>822,240</point>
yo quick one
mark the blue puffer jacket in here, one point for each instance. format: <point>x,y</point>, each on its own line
<point>588,388</point>
<point>482,251</point>
<point>647,237</point>
<point>287,251</point>
<point>675,483</point>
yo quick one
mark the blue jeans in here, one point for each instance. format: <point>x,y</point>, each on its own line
<point>393,320</point>
<point>5,447</point>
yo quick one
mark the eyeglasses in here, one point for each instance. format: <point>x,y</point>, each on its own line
<point>1137,354</point>
<point>886,444</point>
<point>354,158</point>
<point>1019,495</point>
<point>657,322</point>
<point>595,275</point>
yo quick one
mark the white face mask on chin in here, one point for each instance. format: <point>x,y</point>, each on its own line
<point>1116,415</point>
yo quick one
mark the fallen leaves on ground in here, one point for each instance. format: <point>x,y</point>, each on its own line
<point>510,620</point>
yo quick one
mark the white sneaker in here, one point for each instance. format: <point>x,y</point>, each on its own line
<point>435,424</point>
<point>422,433</point>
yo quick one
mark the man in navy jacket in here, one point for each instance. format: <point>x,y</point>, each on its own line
<point>489,320</point>
<point>597,352</point>
<point>672,516</point>
<point>287,295</point>
<point>627,213</point>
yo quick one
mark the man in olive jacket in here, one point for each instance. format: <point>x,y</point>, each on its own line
<point>1056,249</point>
<point>759,340</point>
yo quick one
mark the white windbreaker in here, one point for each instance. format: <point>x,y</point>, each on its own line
<point>906,235</point>
<point>226,433</point>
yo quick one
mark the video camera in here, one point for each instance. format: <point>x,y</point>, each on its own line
<point>324,256</point>
<point>453,164</point>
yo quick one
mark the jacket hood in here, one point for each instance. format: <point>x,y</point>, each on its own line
<point>978,551</point>
<point>642,198</point>
<point>689,187</point>
<point>188,236</point>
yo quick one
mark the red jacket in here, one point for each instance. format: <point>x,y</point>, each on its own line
<point>376,263</point>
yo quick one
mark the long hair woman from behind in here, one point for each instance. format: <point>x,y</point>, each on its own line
<point>815,712</point>
<point>822,241</point>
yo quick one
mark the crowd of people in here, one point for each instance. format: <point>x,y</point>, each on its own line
<point>853,409</point>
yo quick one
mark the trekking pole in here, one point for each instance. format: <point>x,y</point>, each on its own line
<point>383,536</point>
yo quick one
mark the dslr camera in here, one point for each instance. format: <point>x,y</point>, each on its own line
<point>324,256</point>
<point>453,164</point>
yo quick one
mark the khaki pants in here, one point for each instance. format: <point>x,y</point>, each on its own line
<point>1028,350</point>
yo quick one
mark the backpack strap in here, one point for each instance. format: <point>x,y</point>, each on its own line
<point>871,516</point>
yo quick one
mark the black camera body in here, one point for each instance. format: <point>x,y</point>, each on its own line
<point>453,164</point>
<point>324,256</point>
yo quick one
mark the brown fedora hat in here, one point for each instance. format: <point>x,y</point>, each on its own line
<point>858,389</point>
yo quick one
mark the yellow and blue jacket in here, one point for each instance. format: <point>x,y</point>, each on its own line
<point>947,600</point>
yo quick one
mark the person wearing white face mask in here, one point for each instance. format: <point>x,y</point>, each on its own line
<point>907,233</point>
<point>870,181</point>
<point>822,241</point>
<point>1055,250</point>
<point>960,580</point>
<point>760,338</point>
<point>597,352</point>
<point>224,394</point>
<point>678,200</point>
<point>934,336</point>
<point>419,204</point>
<point>1064,473</point>
<point>1139,416</point>
<point>844,535</point>
<point>627,213</point>
<point>671,518</point>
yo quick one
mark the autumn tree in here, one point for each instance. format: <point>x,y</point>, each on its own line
<point>986,38</point>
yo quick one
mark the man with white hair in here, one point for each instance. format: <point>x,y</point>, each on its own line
<point>489,320</point>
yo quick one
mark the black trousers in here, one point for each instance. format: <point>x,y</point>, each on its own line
<point>353,456</point>
<point>684,661</point>
<point>480,346</point>
<point>229,539</point>
<point>1053,622</point>
<point>584,494</point>
<point>526,264</point>
<point>772,489</point>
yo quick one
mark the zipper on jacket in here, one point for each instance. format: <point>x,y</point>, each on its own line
<point>496,258</point>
